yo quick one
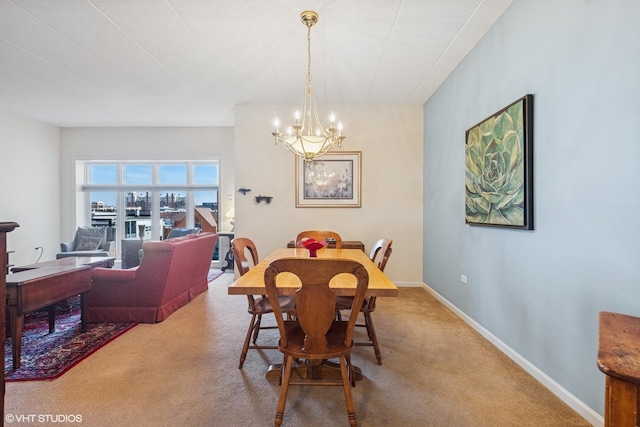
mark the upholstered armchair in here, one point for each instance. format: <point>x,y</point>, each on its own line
<point>89,242</point>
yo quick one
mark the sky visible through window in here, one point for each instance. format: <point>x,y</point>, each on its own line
<point>142,174</point>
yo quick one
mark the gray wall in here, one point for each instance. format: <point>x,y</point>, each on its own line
<point>540,291</point>
<point>30,186</point>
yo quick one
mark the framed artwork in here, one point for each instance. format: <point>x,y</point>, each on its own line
<point>333,180</point>
<point>499,168</point>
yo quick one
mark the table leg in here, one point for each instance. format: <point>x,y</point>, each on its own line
<point>83,308</point>
<point>17,324</point>
<point>52,318</point>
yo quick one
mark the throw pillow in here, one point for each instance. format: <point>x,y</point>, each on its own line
<point>88,243</point>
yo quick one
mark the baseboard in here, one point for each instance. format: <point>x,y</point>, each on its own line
<point>408,284</point>
<point>576,404</point>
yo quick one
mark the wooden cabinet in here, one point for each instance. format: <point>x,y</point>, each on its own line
<point>619,359</point>
<point>5,227</point>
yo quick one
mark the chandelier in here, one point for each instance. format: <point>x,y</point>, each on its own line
<point>307,137</point>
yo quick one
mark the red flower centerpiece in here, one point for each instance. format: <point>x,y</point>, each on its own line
<point>312,246</point>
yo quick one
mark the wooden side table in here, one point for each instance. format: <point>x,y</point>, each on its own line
<point>619,359</point>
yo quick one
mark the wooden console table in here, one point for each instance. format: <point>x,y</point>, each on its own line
<point>346,244</point>
<point>619,359</point>
<point>34,289</point>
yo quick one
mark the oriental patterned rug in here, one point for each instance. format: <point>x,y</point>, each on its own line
<point>46,356</point>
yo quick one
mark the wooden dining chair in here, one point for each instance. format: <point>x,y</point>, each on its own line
<point>379,254</point>
<point>316,334</point>
<point>320,235</point>
<point>259,306</point>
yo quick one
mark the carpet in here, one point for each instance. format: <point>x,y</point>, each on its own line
<point>47,356</point>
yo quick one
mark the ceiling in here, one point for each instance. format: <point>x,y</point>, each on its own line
<point>189,62</point>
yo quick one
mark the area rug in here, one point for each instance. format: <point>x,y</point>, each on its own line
<point>46,356</point>
<point>214,274</point>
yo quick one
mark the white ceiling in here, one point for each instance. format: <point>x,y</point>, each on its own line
<point>188,62</point>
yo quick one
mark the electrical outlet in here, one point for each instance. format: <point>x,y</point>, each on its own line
<point>463,278</point>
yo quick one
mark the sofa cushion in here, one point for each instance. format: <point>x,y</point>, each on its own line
<point>86,243</point>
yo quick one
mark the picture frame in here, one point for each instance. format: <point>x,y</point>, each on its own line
<point>499,168</point>
<point>330,181</point>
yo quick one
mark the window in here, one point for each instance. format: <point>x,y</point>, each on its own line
<point>151,197</point>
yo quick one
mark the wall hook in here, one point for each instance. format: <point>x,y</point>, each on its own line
<point>266,199</point>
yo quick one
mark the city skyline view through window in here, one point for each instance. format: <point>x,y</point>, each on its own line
<point>159,195</point>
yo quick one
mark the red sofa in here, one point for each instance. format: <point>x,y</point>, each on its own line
<point>171,274</point>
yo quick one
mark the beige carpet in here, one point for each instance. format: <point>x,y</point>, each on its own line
<point>183,372</point>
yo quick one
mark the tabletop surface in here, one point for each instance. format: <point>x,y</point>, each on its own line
<point>618,351</point>
<point>17,279</point>
<point>66,262</point>
<point>252,283</point>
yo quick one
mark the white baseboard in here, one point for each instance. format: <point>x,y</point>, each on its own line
<point>576,404</point>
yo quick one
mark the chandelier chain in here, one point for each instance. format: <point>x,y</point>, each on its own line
<point>309,55</point>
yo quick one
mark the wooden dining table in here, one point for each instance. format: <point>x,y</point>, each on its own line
<point>252,283</point>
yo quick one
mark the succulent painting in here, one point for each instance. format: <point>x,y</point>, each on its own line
<point>495,169</point>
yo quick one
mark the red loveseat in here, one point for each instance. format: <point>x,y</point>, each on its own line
<point>171,274</point>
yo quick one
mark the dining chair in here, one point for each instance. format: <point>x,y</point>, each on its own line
<point>320,235</point>
<point>316,334</point>
<point>379,254</point>
<point>259,306</point>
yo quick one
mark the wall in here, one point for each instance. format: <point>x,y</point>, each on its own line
<point>144,144</point>
<point>390,138</point>
<point>30,183</point>
<point>539,292</point>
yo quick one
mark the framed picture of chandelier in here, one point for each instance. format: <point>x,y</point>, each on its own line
<point>330,181</point>
<point>499,168</point>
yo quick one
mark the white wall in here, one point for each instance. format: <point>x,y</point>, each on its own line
<point>144,144</point>
<point>540,291</point>
<point>30,186</point>
<point>390,139</point>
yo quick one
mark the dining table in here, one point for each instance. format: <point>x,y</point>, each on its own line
<point>252,283</point>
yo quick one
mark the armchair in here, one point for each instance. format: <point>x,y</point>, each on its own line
<point>89,242</point>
